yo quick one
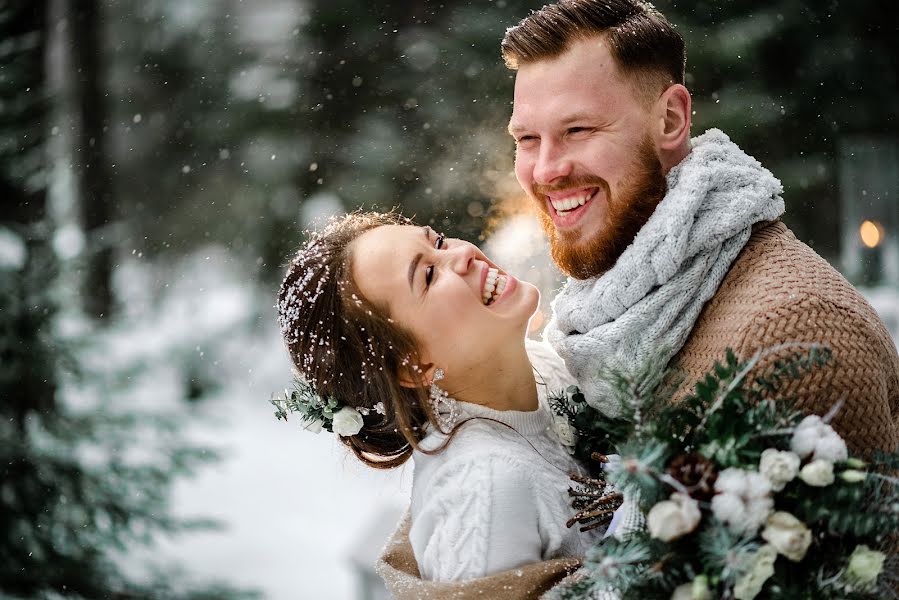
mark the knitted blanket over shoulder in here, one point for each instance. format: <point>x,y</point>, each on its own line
<point>645,306</point>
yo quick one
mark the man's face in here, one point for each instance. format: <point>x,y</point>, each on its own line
<point>585,156</point>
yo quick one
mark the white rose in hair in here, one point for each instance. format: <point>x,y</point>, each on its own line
<point>788,535</point>
<point>347,421</point>
<point>813,437</point>
<point>670,519</point>
<point>778,467</point>
<point>818,473</point>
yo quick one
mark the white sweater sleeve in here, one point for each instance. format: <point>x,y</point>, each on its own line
<point>478,517</point>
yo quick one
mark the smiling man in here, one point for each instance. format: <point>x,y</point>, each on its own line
<point>674,247</point>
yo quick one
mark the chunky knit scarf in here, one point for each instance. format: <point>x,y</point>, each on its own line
<point>645,306</point>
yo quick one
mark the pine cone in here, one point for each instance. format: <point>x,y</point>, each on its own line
<point>697,473</point>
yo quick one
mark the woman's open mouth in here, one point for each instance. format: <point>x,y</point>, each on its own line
<point>494,286</point>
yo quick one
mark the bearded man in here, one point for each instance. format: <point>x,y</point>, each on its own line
<point>674,247</point>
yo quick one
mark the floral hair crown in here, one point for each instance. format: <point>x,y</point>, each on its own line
<point>317,412</point>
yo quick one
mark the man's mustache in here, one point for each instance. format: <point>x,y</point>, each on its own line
<point>571,183</point>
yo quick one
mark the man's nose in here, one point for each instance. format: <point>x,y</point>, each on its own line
<point>552,163</point>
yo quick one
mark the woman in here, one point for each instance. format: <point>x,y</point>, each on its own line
<point>419,344</point>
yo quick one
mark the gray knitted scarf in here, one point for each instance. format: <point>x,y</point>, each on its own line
<point>650,299</point>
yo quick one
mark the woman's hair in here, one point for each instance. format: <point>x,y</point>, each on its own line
<point>348,348</point>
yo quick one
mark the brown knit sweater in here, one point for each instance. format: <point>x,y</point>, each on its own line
<point>778,290</point>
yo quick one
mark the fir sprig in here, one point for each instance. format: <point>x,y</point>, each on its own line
<point>734,414</point>
<point>305,401</point>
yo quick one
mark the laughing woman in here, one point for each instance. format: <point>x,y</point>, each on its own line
<point>419,344</point>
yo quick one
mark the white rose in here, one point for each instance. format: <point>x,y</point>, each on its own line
<point>865,565</point>
<point>818,473</point>
<point>670,519</point>
<point>750,583</point>
<point>565,431</point>
<point>347,421</point>
<point>778,467</point>
<point>698,589</point>
<point>788,535</point>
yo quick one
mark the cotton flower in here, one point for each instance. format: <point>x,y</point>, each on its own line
<point>818,473</point>
<point>788,535</point>
<point>672,518</point>
<point>347,421</point>
<point>698,589</point>
<point>778,467</point>
<point>748,586</point>
<point>743,500</point>
<point>865,565</point>
<point>813,437</point>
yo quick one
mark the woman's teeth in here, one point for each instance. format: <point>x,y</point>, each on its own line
<point>494,286</point>
<point>563,206</point>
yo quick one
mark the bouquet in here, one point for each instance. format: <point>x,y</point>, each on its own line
<point>744,497</point>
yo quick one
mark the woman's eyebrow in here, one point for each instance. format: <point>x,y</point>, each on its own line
<point>412,268</point>
<point>414,265</point>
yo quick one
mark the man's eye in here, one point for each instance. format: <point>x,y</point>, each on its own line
<point>439,243</point>
<point>429,275</point>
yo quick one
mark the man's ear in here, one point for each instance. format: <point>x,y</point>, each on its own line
<point>416,377</point>
<point>672,117</point>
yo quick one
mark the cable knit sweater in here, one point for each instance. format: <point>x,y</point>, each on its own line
<point>496,497</point>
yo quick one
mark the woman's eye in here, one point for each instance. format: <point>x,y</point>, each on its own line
<point>429,275</point>
<point>440,240</point>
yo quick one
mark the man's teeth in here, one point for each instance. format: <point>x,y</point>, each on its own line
<point>563,206</point>
<point>493,286</point>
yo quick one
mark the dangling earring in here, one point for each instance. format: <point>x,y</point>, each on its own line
<point>445,409</point>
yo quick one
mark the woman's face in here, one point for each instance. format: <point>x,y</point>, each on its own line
<point>436,287</point>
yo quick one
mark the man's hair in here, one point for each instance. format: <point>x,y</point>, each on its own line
<point>643,43</point>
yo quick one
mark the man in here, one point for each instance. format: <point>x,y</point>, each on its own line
<point>674,246</point>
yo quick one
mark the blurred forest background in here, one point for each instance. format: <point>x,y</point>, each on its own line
<point>159,161</point>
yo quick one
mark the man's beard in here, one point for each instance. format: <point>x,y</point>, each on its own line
<point>626,213</point>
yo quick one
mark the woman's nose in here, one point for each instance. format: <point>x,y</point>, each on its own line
<point>463,256</point>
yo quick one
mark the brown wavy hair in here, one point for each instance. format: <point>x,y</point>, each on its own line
<point>347,347</point>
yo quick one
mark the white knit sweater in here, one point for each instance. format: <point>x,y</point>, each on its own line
<point>496,498</point>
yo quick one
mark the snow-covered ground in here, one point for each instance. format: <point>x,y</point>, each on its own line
<point>295,505</point>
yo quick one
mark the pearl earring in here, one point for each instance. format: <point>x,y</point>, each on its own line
<point>446,410</point>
